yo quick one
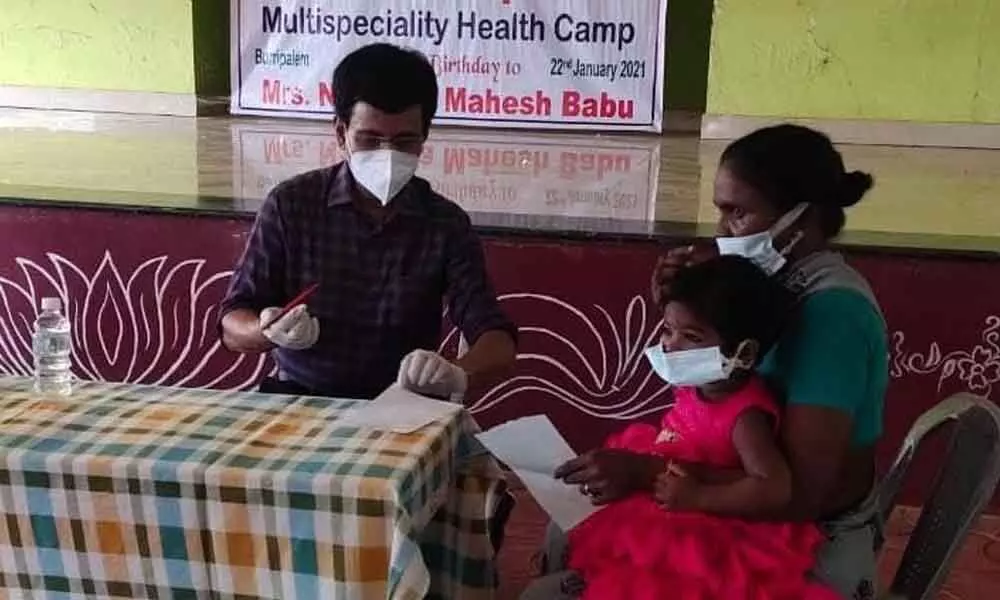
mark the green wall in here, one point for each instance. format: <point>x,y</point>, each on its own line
<point>914,60</point>
<point>182,46</point>
<point>918,60</point>
<point>132,45</point>
<point>211,46</point>
<point>689,30</point>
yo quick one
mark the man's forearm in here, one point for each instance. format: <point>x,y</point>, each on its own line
<point>747,498</point>
<point>241,332</point>
<point>488,358</point>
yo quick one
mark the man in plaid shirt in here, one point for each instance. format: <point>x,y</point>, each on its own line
<point>384,248</point>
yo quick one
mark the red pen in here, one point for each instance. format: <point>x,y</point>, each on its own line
<point>302,298</point>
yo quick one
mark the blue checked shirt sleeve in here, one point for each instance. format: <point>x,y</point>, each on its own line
<point>472,301</point>
<point>258,280</point>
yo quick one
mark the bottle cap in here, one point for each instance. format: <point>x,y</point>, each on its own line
<point>51,304</point>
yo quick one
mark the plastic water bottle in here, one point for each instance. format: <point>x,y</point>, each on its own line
<point>51,343</point>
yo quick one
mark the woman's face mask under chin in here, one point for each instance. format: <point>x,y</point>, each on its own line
<point>759,247</point>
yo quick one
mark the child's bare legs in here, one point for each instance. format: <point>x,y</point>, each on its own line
<point>555,550</point>
<point>557,581</point>
<point>562,585</point>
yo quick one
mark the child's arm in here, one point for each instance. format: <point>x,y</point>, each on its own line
<point>765,489</point>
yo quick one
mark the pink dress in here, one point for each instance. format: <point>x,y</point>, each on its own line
<point>636,550</point>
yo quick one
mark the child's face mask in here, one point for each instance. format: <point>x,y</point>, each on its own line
<point>759,247</point>
<point>692,368</point>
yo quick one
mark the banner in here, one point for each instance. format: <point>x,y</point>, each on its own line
<point>534,174</point>
<point>557,64</point>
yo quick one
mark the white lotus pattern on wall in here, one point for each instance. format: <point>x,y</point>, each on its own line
<point>156,326</point>
<point>591,361</point>
<point>153,326</point>
<point>978,367</point>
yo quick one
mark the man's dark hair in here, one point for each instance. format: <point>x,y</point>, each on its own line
<point>389,78</point>
<point>736,298</point>
<point>789,164</point>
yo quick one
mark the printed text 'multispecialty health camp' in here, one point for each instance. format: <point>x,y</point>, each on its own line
<point>518,26</point>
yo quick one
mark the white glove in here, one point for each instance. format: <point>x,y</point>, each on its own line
<point>431,374</point>
<point>297,330</point>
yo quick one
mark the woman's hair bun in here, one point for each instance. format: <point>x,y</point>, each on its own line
<point>855,185</point>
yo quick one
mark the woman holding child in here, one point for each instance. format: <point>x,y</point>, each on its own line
<point>786,491</point>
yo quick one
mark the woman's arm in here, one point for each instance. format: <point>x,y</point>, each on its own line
<point>817,442</point>
<point>609,474</point>
<point>832,368</point>
<point>764,488</point>
<point>710,474</point>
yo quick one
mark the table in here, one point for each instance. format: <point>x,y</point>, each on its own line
<point>134,491</point>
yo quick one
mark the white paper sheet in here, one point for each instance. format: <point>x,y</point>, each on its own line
<point>533,448</point>
<point>398,410</point>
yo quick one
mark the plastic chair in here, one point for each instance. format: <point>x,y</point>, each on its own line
<point>962,488</point>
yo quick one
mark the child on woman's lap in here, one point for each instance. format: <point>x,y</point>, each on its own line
<point>689,538</point>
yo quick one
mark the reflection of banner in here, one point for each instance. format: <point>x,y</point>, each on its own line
<point>590,64</point>
<point>536,174</point>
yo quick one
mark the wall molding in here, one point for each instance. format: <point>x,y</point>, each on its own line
<point>114,101</point>
<point>865,132</point>
<point>681,120</point>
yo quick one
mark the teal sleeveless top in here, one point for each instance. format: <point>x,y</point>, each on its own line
<point>834,351</point>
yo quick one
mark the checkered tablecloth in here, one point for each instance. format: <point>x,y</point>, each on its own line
<point>144,492</point>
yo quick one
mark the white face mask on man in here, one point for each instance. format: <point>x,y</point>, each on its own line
<point>383,173</point>
<point>759,247</point>
<point>691,368</point>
